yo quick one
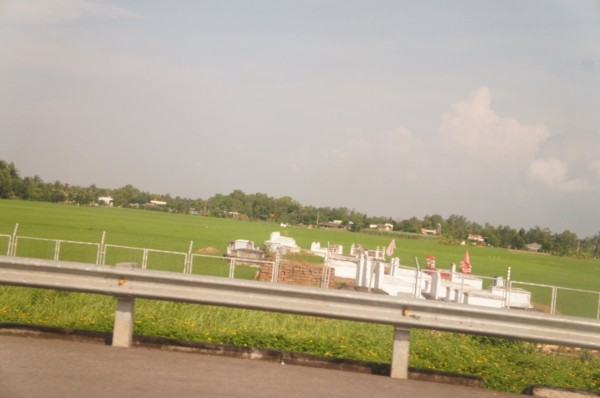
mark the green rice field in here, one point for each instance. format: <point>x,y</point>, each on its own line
<point>504,365</point>
<point>174,232</point>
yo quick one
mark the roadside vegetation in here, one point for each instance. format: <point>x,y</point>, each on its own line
<point>503,364</point>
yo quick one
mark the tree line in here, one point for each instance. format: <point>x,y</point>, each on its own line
<point>261,207</point>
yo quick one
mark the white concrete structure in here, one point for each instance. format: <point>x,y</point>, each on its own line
<point>316,248</point>
<point>243,248</point>
<point>432,284</point>
<point>283,244</point>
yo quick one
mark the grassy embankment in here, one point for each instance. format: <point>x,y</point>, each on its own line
<point>504,365</point>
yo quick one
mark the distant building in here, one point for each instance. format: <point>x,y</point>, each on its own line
<point>476,239</point>
<point>335,224</point>
<point>534,247</point>
<point>382,227</point>
<point>106,200</point>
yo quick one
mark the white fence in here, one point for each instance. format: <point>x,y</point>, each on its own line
<point>103,253</point>
<point>549,295</point>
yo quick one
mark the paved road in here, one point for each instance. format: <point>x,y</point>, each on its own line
<point>33,367</point>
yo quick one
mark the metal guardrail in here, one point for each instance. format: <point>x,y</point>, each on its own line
<point>127,283</point>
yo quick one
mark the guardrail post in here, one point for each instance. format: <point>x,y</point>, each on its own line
<point>124,315</point>
<point>400,353</point>
<point>123,328</point>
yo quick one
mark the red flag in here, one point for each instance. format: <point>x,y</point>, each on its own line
<point>390,250</point>
<point>465,265</point>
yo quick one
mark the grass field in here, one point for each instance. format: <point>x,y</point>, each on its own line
<point>173,232</point>
<point>504,365</point>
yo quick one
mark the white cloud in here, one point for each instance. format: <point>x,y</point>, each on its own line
<point>473,128</point>
<point>554,174</point>
<point>379,150</point>
<point>568,162</point>
<point>42,12</point>
<point>357,159</point>
<point>395,142</point>
<point>387,144</point>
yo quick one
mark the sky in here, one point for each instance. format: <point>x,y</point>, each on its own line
<point>488,109</point>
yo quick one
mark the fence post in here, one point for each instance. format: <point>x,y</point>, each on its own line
<point>145,259</point>
<point>189,259</point>
<point>324,275</point>
<point>461,298</point>
<point>12,246</point>
<point>417,289</point>
<point>400,353</point>
<point>379,270</point>
<point>57,250</point>
<point>231,267</point>
<point>507,289</point>
<point>101,255</point>
<point>275,269</point>
<point>360,265</point>
<point>553,303</point>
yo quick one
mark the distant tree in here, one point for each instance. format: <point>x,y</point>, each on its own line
<point>491,235</point>
<point>414,225</point>
<point>6,184</point>
<point>356,221</point>
<point>262,206</point>
<point>287,210</point>
<point>128,195</point>
<point>308,215</point>
<point>565,243</point>
<point>457,227</point>
<point>541,236</point>
<point>81,195</point>
<point>432,221</point>
<point>56,192</point>
<point>10,181</point>
<point>592,245</point>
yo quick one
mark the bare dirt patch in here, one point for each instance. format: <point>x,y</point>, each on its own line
<point>209,250</point>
